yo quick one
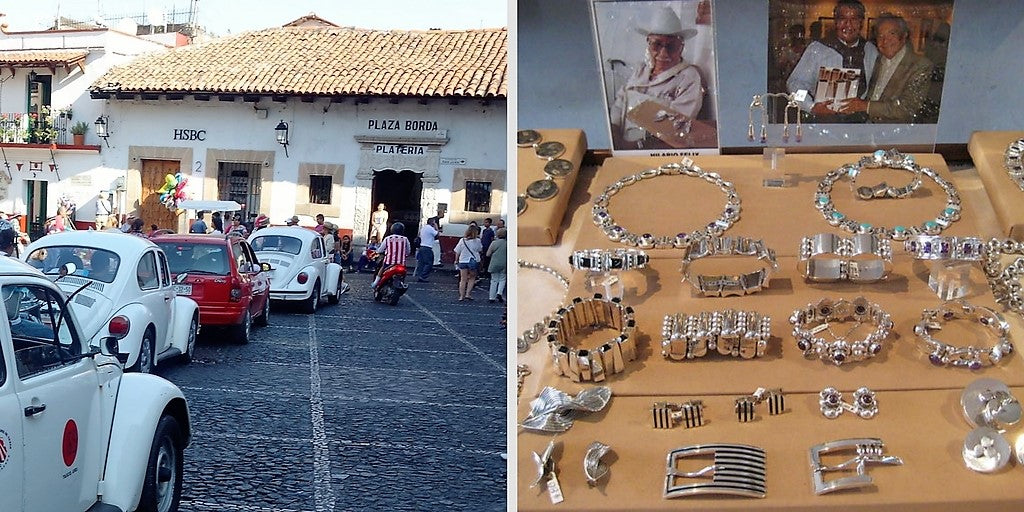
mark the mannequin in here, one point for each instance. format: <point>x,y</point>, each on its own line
<point>379,223</point>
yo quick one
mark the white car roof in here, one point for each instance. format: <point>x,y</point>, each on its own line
<point>294,231</point>
<point>127,246</point>
<point>9,266</point>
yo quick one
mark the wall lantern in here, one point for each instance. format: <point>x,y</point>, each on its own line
<point>101,129</point>
<point>282,135</point>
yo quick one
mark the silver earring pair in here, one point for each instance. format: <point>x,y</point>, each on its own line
<point>832,405</point>
<point>791,104</point>
<point>757,104</point>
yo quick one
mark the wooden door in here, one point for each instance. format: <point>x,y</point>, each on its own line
<point>151,210</point>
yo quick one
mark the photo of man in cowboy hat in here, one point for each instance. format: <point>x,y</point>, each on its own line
<point>663,80</point>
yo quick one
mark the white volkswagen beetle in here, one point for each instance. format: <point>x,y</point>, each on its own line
<point>300,266</point>
<point>76,433</point>
<point>126,292</point>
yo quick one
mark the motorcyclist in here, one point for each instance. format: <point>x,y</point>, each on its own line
<point>395,248</point>
<point>8,238</point>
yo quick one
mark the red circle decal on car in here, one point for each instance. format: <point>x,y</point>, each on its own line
<point>70,445</point>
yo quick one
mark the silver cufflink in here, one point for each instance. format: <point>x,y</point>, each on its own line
<point>592,467</point>
<point>669,415</point>
<point>989,403</point>
<point>832,405</point>
<point>737,470</point>
<point>744,407</point>
<point>989,406</point>
<point>868,451</point>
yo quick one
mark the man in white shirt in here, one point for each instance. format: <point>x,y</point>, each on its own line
<point>425,254</point>
<point>103,210</point>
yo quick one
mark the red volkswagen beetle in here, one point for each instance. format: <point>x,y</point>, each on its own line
<point>224,276</point>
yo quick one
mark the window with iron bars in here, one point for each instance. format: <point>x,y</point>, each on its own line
<point>319,189</point>
<point>478,196</point>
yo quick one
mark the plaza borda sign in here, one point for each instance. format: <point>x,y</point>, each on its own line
<point>410,125</point>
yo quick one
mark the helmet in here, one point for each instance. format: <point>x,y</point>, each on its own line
<point>397,228</point>
<point>7,234</point>
<point>261,222</point>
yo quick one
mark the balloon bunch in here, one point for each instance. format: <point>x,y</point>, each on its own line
<point>173,191</point>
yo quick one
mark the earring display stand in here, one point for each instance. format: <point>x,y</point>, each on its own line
<point>775,177</point>
<point>607,283</point>
<point>950,279</point>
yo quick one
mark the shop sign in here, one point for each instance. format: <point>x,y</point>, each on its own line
<point>452,161</point>
<point>187,134</point>
<point>411,125</point>
<point>398,149</point>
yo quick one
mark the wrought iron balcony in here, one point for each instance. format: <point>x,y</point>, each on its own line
<point>33,128</point>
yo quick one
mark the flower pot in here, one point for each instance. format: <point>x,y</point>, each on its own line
<point>78,138</point>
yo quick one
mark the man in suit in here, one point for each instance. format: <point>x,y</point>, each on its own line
<point>900,81</point>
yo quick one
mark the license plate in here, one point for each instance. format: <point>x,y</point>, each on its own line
<point>183,289</point>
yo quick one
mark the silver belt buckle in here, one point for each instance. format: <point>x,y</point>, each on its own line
<point>869,451</point>
<point>737,470</point>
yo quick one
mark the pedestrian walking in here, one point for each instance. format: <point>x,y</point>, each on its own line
<point>497,253</point>
<point>425,253</point>
<point>467,255</point>
<point>486,237</point>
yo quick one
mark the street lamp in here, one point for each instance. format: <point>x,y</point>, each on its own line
<point>282,135</point>
<point>101,129</point>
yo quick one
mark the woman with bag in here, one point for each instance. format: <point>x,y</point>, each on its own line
<point>467,256</point>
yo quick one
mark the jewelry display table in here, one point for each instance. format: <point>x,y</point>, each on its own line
<point>919,418</point>
<point>987,149</point>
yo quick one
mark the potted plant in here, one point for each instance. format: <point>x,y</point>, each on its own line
<point>78,132</point>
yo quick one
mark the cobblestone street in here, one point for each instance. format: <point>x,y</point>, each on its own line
<point>363,406</point>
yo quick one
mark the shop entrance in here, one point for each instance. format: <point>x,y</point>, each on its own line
<point>151,210</point>
<point>35,200</point>
<point>400,192</point>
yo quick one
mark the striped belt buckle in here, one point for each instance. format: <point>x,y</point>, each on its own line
<point>737,470</point>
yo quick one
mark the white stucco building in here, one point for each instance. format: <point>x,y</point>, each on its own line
<point>51,71</point>
<point>411,119</point>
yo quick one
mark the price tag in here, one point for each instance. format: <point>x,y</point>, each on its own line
<point>800,95</point>
<point>554,490</point>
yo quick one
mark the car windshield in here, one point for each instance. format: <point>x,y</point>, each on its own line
<point>196,258</point>
<point>98,264</point>
<point>279,243</point>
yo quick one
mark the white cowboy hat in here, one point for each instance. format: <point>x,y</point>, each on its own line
<point>664,21</point>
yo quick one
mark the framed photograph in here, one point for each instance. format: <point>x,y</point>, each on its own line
<point>657,61</point>
<point>896,50</point>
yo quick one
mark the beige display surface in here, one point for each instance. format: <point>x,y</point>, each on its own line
<point>667,205</point>
<point>988,151</point>
<point>540,223</point>
<point>918,420</point>
<point>924,428</point>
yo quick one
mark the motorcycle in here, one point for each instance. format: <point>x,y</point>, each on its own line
<point>391,285</point>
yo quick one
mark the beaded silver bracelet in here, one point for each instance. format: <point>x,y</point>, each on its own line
<point>732,333</point>
<point>948,215</point>
<point>539,329</point>
<point>814,318</point>
<point>1005,281</point>
<point>616,233</point>
<point>944,354</point>
<point>1014,165</point>
<point>584,365</point>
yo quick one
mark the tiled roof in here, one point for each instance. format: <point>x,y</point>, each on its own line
<point>41,57</point>
<point>326,61</point>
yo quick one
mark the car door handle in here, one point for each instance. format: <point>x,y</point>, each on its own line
<point>167,298</point>
<point>32,410</point>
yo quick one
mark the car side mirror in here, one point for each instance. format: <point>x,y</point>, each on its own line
<point>265,267</point>
<point>109,347</point>
<point>67,269</point>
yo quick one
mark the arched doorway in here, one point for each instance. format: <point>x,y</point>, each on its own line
<point>400,192</point>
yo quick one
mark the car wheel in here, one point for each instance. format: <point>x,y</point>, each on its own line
<point>243,330</point>
<point>190,345</point>
<point>145,362</point>
<point>161,491</point>
<point>314,299</point>
<point>334,297</point>
<point>264,319</point>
